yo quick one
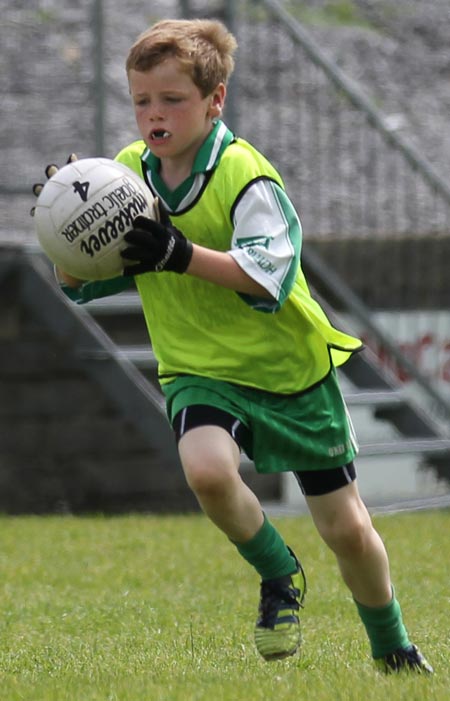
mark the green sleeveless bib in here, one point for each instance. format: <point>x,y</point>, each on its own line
<point>199,328</point>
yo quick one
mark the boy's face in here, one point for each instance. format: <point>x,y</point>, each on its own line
<point>172,116</point>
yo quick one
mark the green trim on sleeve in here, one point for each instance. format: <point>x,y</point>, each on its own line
<point>260,304</point>
<point>294,232</point>
<point>96,289</point>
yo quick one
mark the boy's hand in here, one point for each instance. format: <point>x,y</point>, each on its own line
<point>156,246</point>
<point>50,170</point>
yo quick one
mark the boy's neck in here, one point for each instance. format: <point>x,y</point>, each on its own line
<point>173,174</point>
<point>174,171</point>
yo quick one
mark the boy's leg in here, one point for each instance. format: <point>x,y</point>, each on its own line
<point>210,458</point>
<point>208,445</point>
<point>345,525</point>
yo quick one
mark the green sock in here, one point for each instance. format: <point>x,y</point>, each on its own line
<point>268,553</point>
<point>384,627</point>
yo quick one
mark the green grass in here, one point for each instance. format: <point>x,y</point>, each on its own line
<point>144,608</point>
<point>336,13</point>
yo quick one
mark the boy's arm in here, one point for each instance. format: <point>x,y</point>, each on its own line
<point>266,242</point>
<point>222,269</point>
<point>214,266</point>
<point>155,246</point>
<point>81,291</point>
<point>263,259</point>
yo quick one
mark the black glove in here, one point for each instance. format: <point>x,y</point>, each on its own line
<point>156,246</point>
<point>50,170</point>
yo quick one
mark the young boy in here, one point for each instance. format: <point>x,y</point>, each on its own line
<point>246,357</point>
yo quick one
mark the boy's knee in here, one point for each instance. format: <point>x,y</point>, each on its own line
<point>349,535</point>
<point>210,460</point>
<point>208,477</point>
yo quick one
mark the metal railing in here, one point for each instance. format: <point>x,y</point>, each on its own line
<point>375,210</point>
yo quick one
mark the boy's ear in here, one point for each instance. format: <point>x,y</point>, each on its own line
<point>217,101</point>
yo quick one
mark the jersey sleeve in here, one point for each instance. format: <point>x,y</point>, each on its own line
<point>96,289</point>
<point>266,241</point>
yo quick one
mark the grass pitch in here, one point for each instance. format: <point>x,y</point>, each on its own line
<point>145,608</point>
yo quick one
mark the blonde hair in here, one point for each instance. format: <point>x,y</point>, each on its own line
<point>203,47</point>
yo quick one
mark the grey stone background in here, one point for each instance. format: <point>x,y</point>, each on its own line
<point>397,51</point>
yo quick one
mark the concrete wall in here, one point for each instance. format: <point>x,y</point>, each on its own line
<point>64,444</point>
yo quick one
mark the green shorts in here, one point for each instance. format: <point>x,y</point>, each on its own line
<point>311,430</point>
